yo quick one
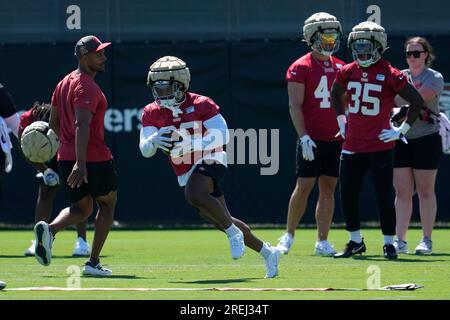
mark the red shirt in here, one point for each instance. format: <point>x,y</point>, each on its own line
<point>371,92</point>
<point>26,119</point>
<point>320,118</point>
<point>196,109</point>
<point>78,90</point>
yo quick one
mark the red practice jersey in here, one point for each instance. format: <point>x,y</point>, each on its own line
<point>318,77</point>
<point>78,90</point>
<point>196,109</point>
<point>371,93</point>
<point>26,119</point>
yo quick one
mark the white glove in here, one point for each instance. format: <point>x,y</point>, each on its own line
<point>388,135</point>
<point>160,141</point>
<point>8,162</point>
<point>307,147</point>
<point>342,121</point>
<point>50,177</point>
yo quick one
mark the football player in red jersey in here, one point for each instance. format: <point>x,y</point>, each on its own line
<point>49,183</point>
<point>371,84</point>
<point>309,83</point>
<point>198,160</point>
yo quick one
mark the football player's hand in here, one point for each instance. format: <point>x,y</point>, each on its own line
<point>162,139</point>
<point>307,147</point>
<point>389,135</point>
<point>342,122</point>
<point>78,175</point>
<point>50,177</point>
<point>181,148</point>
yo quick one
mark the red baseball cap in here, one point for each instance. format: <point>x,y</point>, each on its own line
<point>89,44</point>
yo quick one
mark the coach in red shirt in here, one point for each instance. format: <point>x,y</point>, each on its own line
<point>84,160</point>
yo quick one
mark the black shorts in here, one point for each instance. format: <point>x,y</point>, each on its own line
<point>102,179</point>
<point>215,171</point>
<point>52,164</point>
<point>326,160</point>
<point>421,153</point>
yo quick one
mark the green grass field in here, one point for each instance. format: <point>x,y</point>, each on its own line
<point>201,259</point>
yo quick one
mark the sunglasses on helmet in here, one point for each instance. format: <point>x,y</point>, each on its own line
<point>415,54</point>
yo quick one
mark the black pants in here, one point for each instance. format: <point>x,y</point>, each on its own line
<point>353,169</point>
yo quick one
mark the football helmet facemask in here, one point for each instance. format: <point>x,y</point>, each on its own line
<point>169,79</point>
<point>322,32</point>
<point>367,41</point>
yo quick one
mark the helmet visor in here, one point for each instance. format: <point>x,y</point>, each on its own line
<point>328,40</point>
<point>363,49</point>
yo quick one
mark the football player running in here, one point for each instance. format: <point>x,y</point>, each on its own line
<point>49,183</point>
<point>309,83</point>
<point>371,84</point>
<point>198,159</point>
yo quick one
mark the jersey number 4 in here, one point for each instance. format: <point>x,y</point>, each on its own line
<point>360,103</point>
<point>323,93</point>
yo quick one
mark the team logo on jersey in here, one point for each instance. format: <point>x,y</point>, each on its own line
<point>294,73</point>
<point>380,77</point>
<point>189,109</point>
<point>326,63</point>
<point>338,65</point>
<point>364,77</point>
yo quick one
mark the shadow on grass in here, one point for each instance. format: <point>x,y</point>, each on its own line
<point>117,276</point>
<point>401,258</point>
<point>75,257</point>
<point>217,281</point>
<point>13,256</point>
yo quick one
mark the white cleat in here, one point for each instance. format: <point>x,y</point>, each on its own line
<point>285,243</point>
<point>43,245</point>
<point>425,247</point>
<point>237,245</point>
<point>89,269</point>
<point>401,246</point>
<point>324,248</point>
<point>81,248</point>
<point>272,263</point>
<point>30,251</point>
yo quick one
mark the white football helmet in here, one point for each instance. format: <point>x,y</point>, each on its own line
<point>367,41</point>
<point>169,79</point>
<point>322,32</point>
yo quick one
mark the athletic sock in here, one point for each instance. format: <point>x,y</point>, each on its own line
<point>232,230</point>
<point>388,239</point>
<point>265,251</point>
<point>355,236</point>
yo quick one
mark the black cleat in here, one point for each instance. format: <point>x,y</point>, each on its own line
<point>352,248</point>
<point>389,251</point>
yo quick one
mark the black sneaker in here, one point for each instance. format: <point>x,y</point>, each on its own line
<point>352,248</point>
<point>389,251</point>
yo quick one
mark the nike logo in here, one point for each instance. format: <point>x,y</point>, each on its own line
<point>356,250</point>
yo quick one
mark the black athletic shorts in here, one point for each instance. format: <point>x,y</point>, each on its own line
<point>421,153</point>
<point>215,171</point>
<point>326,160</point>
<point>102,179</point>
<point>52,164</point>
